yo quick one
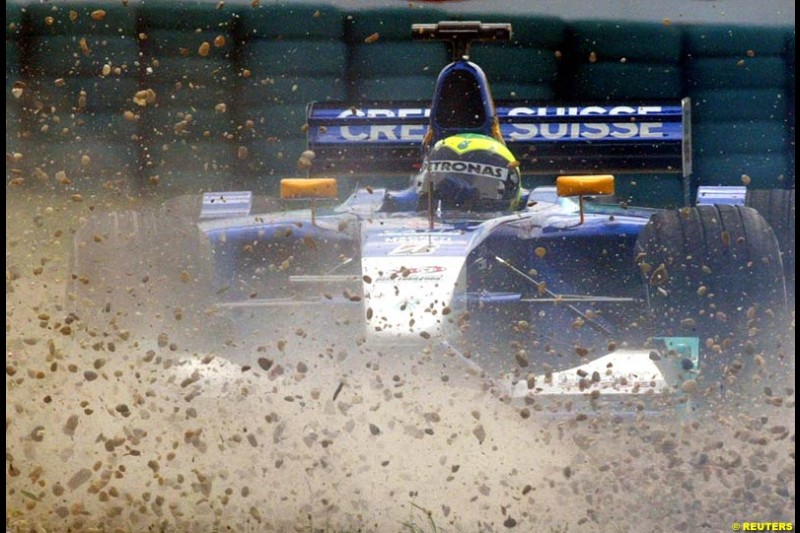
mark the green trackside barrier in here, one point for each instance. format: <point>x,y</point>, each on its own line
<point>740,79</point>
<point>737,77</point>
<point>293,54</point>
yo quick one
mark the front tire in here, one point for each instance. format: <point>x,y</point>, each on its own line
<point>715,272</point>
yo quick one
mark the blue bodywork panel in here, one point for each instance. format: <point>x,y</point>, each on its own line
<point>518,269</point>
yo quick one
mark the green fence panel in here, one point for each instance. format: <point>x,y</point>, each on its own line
<point>284,89</point>
<point>271,160</point>
<point>187,16</point>
<point>519,91</point>
<point>311,58</point>
<point>766,171</point>
<point>749,137</point>
<point>278,121</point>
<point>82,18</point>
<point>13,59</point>
<point>196,74</point>
<point>623,81</point>
<point>612,40</point>
<point>78,55</point>
<point>86,94</point>
<point>652,190</point>
<point>95,126</point>
<point>734,73</point>
<point>393,24</point>
<point>395,88</point>
<point>518,65</point>
<point>191,123</point>
<point>190,165</point>
<point>397,59</point>
<point>106,159</point>
<point>169,42</point>
<point>733,40</point>
<point>739,104</point>
<point>14,21</point>
<point>186,95</point>
<point>292,21</point>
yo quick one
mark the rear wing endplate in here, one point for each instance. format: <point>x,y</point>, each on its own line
<point>547,139</point>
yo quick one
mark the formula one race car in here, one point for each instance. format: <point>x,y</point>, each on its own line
<point>560,289</point>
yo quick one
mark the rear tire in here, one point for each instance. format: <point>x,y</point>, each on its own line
<point>715,272</point>
<point>777,208</point>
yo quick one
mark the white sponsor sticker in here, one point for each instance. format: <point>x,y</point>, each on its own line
<point>415,248</point>
<point>468,168</point>
<point>405,301</point>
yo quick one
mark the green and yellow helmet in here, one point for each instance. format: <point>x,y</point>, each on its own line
<point>471,172</point>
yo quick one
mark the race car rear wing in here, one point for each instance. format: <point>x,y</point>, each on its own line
<point>547,139</point>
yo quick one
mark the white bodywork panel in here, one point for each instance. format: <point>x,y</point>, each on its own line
<point>620,372</point>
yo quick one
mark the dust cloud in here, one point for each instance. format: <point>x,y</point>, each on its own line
<point>111,428</point>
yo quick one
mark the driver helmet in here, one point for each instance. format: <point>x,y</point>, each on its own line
<point>471,172</point>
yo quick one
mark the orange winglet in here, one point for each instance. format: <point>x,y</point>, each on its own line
<point>308,188</point>
<point>585,185</point>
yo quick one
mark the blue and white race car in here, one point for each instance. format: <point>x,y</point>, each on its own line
<point>553,291</point>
